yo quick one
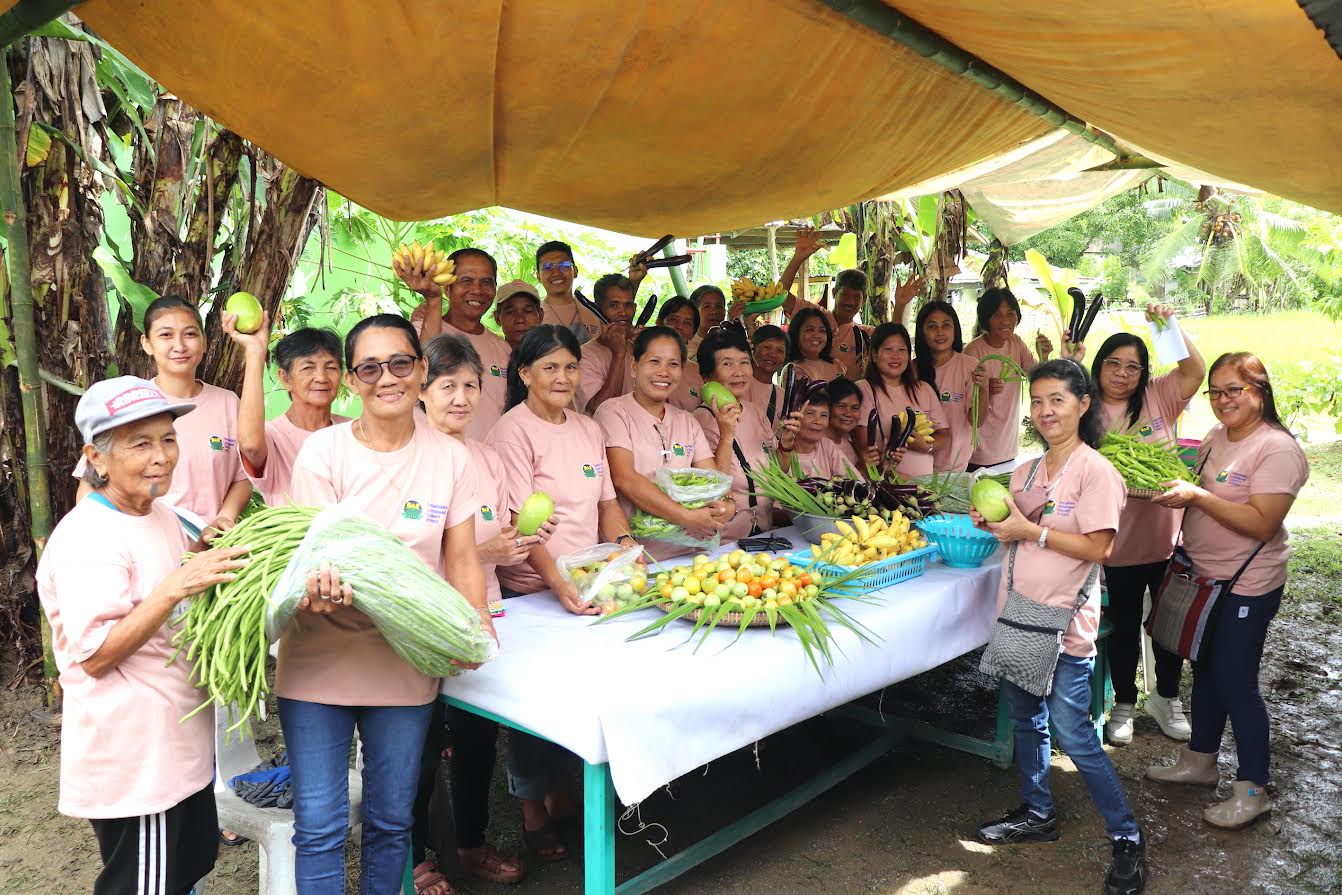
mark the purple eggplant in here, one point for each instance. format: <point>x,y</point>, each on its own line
<point>646,315</point>
<point>1078,313</point>
<point>873,427</point>
<point>789,386</point>
<point>1088,321</point>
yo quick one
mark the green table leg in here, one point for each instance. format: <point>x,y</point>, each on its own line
<point>408,878</point>
<point>598,830</point>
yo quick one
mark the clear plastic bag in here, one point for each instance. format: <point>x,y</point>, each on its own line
<point>422,617</point>
<point>687,485</point>
<point>605,573</point>
<point>647,527</point>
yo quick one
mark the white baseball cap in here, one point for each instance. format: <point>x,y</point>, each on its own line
<point>125,399</point>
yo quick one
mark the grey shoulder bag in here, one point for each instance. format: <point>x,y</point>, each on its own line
<point>1027,638</point>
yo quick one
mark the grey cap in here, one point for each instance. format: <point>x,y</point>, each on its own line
<point>125,399</point>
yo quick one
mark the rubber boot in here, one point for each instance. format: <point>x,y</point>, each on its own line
<point>1248,801</point>
<point>1197,768</point>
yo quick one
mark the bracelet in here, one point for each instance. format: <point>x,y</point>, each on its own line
<point>1043,538</point>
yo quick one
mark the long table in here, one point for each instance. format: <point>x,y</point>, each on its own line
<point>640,714</point>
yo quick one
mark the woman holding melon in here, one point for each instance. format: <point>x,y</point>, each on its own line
<point>644,432</point>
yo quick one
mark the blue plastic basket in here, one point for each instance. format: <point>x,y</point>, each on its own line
<point>962,546</point>
<point>875,575</point>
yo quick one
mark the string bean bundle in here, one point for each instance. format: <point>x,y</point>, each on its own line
<point>1144,465</point>
<point>1010,371</point>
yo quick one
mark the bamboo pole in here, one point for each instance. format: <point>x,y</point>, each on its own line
<point>677,273</point>
<point>25,334</point>
<point>29,15</point>
<point>894,25</point>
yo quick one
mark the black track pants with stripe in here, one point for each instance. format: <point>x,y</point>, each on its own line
<point>158,854</point>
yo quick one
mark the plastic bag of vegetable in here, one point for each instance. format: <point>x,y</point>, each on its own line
<point>687,485</point>
<point>421,616</point>
<point>607,574</point>
<point>647,527</point>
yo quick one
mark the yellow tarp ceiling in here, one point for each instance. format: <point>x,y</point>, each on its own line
<point>695,117</point>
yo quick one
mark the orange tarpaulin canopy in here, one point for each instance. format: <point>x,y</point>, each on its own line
<point>701,116</point>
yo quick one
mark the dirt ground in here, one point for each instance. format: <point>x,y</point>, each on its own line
<point>902,826</point>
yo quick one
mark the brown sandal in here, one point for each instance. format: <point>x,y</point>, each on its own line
<point>546,839</point>
<point>487,863</point>
<point>428,878</point>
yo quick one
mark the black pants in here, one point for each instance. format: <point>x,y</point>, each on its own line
<point>1127,585</point>
<point>158,854</point>
<point>474,742</point>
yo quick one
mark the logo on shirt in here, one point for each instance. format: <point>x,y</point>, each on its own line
<point>845,349</point>
<point>1049,508</point>
<point>494,370</point>
<point>487,513</point>
<point>945,397</point>
<point>693,393</point>
<point>216,443</point>
<point>1223,475</point>
<point>1235,478</point>
<point>589,470</point>
<point>1146,431</point>
<point>412,509</point>
<point>678,449</point>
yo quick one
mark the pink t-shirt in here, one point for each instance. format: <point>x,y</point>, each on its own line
<point>494,356</point>
<point>955,384</point>
<point>283,440</point>
<point>819,370</point>
<point>1088,498</point>
<point>756,439</point>
<point>686,395</point>
<point>1148,532</point>
<point>566,461</point>
<point>417,493</point>
<point>124,750</point>
<point>1267,461</point>
<point>892,400</point>
<point>593,370</point>
<point>675,440</point>
<point>207,453</point>
<point>491,489</point>
<point>999,436</point>
<point>578,318</point>
<point>826,461</point>
<point>760,392</point>
<point>846,451</point>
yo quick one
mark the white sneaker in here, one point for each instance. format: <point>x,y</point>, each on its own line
<point>1118,729</point>
<point>1169,714</point>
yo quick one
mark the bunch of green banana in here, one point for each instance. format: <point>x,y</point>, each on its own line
<point>746,290</point>
<point>415,258</point>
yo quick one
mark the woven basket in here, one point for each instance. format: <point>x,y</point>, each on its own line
<point>1144,493</point>
<point>730,620</point>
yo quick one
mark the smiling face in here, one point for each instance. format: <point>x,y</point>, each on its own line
<point>175,342</point>
<point>712,310</point>
<point>843,414</point>
<point>312,379</point>
<point>618,305</point>
<point>517,315</point>
<point>892,357</point>
<point>847,302</point>
<point>552,379</point>
<point>1235,411</point>
<point>390,397</point>
<point>770,355</point>
<point>449,401</point>
<point>682,321</point>
<point>1002,323</point>
<point>658,371</point>
<point>1120,374</point>
<point>1055,410</point>
<point>811,337</point>
<point>939,331</point>
<point>732,368</point>
<point>473,292</point>
<point>138,466</point>
<point>555,276</point>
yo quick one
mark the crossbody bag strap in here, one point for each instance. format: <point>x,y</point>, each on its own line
<point>1230,585</point>
<point>750,495</point>
<point>1011,553</point>
<point>768,411</point>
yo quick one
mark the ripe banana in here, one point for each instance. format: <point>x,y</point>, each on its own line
<point>434,263</point>
<point>862,540</point>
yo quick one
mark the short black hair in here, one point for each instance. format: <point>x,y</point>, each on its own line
<point>697,296</point>
<point>306,342</point>
<point>608,282</point>
<point>989,303</point>
<point>535,345</point>
<point>766,332</point>
<point>1068,371</point>
<point>170,303</point>
<point>651,334</point>
<point>852,278</point>
<point>479,253</point>
<point>381,321</point>
<point>554,245</point>
<point>794,334</point>
<point>448,353</point>
<point>716,340</point>
<point>840,388</point>
<point>674,305</point>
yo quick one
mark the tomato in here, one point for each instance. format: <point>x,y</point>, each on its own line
<point>804,580</point>
<point>788,589</point>
<point>666,590</point>
<point>756,589</point>
<point>743,574</point>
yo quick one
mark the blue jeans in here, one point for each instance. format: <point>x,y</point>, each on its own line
<point>319,738</point>
<point>1225,682</point>
<point>1068,706</point>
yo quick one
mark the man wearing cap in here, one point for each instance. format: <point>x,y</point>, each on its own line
<point>517,310</point>
<point>109,580</point>
<point>468,300</point>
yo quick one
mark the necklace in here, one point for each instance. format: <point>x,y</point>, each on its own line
<point>386,468</point>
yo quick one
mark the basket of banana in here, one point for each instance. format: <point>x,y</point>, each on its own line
<point>759,299</point>
<point>881,553</point>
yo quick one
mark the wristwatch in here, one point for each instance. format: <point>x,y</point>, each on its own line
<point>630,538</point>
<point>1043,538</point>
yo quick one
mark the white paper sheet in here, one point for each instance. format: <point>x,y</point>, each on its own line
<point>654,710</point>
<point>1169,342</point>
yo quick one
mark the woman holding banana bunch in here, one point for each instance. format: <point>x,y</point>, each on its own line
<point>892,390</point>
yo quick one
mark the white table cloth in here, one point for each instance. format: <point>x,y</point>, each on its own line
<point>654,710</point>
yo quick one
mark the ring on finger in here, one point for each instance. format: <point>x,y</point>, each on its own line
<point>518,541</point>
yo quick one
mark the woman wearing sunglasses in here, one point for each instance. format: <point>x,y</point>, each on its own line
<point>1131,400</point>
<point>1251,470</point>
<point>336,673</point>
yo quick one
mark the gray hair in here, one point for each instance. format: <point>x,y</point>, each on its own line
<point>102,443</point>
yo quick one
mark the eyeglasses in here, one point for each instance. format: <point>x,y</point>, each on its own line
<point>1233,392</point>
<point>1114,365</point>
<point>400,366</point>
<point>556,265</point>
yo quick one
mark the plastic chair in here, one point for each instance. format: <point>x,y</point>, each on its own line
<point>270,828</point>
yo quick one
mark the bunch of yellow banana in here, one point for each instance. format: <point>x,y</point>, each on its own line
<point>414,258</point>
<point>745,289</point>
<point>867,540</point>
<point>922,426</point>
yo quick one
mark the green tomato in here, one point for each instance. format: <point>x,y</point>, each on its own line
<point>712,602</point>
<point>678,579</point>
<point>740,590</point>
